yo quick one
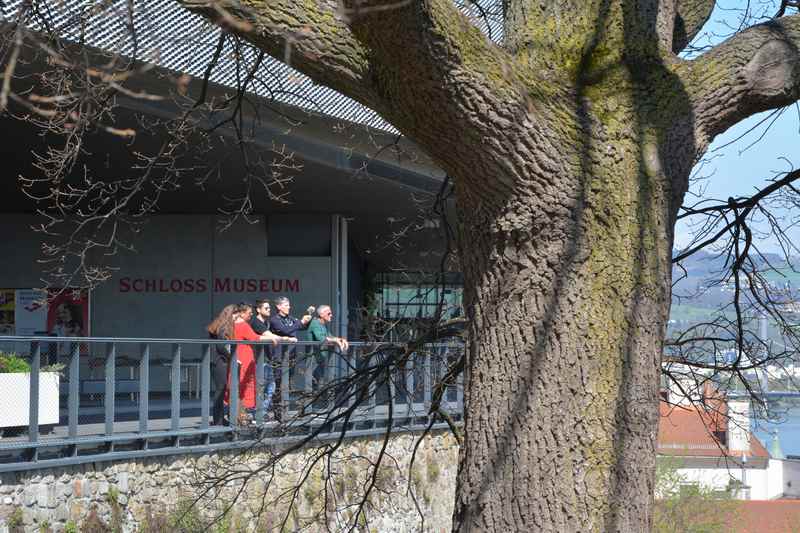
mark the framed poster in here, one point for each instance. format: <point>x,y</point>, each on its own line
<point>68,313</point>
<point>28,312</point>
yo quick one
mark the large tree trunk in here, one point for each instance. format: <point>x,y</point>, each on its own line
<point>568,285</point>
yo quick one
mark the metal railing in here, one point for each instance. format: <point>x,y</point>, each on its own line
<point>125,398</point>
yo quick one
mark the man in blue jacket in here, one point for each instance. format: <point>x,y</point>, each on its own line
<point>285,325</point>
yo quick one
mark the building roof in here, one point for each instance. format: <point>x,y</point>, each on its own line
<point>766,516</point>
<point>171,37</point>
<point>692,432</point>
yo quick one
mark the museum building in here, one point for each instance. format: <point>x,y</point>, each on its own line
<point>351,227</point>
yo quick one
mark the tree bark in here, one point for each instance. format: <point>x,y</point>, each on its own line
<point>568,287</point>
<point>690,18</point>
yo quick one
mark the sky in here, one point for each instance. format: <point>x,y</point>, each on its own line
<point>740,167</point>
<point>744,159</point>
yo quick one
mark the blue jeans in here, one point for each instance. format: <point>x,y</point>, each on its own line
<point>269,385</point>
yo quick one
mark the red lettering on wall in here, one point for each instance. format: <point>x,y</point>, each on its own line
<point>189,285</point>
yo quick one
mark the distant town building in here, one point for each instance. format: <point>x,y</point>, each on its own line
<point>713,448</point>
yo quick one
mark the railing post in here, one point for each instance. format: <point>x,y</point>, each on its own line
<point>460,392</point>
<point>144,389</point>
<point>33,395</point>
<point>176,388</point>
<point>205,385</point>
<point>352,368</point>
<point>372,391</point>
<point>392,394</point>
<point>111,376</point>
<point>74,399</point>
<point>308,375</point>
<point>349,367</point>
<point>233,395</point>
<point>442,364</point>
<point>410,383</point>
<point>285,377</point>
<point>260,385</point>
<point>427,377</point>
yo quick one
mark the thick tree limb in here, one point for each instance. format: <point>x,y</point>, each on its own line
<point>753,71</point>
<point>310,36</point>
<point>690,18</point>
<point>425,55</point>
<point>413,62</point>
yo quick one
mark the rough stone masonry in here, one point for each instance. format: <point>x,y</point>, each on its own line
<point>139,495</point>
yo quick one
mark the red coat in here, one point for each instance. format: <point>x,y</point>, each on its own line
<point>247,365</point>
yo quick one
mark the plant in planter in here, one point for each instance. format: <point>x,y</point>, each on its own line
<point>11,364</point>
<point>15,386</point>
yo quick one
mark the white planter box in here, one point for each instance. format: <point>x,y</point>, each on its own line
<point>15,395</point>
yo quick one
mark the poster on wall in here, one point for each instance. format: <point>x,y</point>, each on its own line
<point>30,314</point>
<point>26,312</point>
<point>7,312</point>
<point>68,314</point>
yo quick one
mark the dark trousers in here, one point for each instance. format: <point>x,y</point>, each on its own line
<point>287,352</point>
<point>220,377</point>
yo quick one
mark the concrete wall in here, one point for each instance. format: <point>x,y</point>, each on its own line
<point>183,270</point>
<point>134,493</point>
<point>791,478</point>
<point>708,478</point>
<point>719,479</point>
<point>765,483</point>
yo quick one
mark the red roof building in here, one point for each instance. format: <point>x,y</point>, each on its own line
<point>771,516</point>
<point>689,431</point>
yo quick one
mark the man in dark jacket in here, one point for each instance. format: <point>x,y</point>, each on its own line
<point>260,320</point>
<point>284,324</point>
<point>260,324</point>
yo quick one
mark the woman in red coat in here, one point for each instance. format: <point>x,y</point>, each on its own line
<point>244,353</point>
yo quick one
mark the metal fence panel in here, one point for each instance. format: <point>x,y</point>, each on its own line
<point>128,397</point>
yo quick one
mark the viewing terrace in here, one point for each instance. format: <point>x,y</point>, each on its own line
<point>126,398</point>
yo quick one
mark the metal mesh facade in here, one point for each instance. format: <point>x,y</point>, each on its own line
<point>171,37</point>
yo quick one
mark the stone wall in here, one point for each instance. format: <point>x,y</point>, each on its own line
<point>157,494</point>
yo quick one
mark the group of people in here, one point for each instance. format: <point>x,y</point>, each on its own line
<point>245,322</point>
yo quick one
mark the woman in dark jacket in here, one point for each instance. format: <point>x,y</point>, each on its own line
<point>221,328</point>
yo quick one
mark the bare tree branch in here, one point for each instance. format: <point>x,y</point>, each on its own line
<point>312,37</point>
